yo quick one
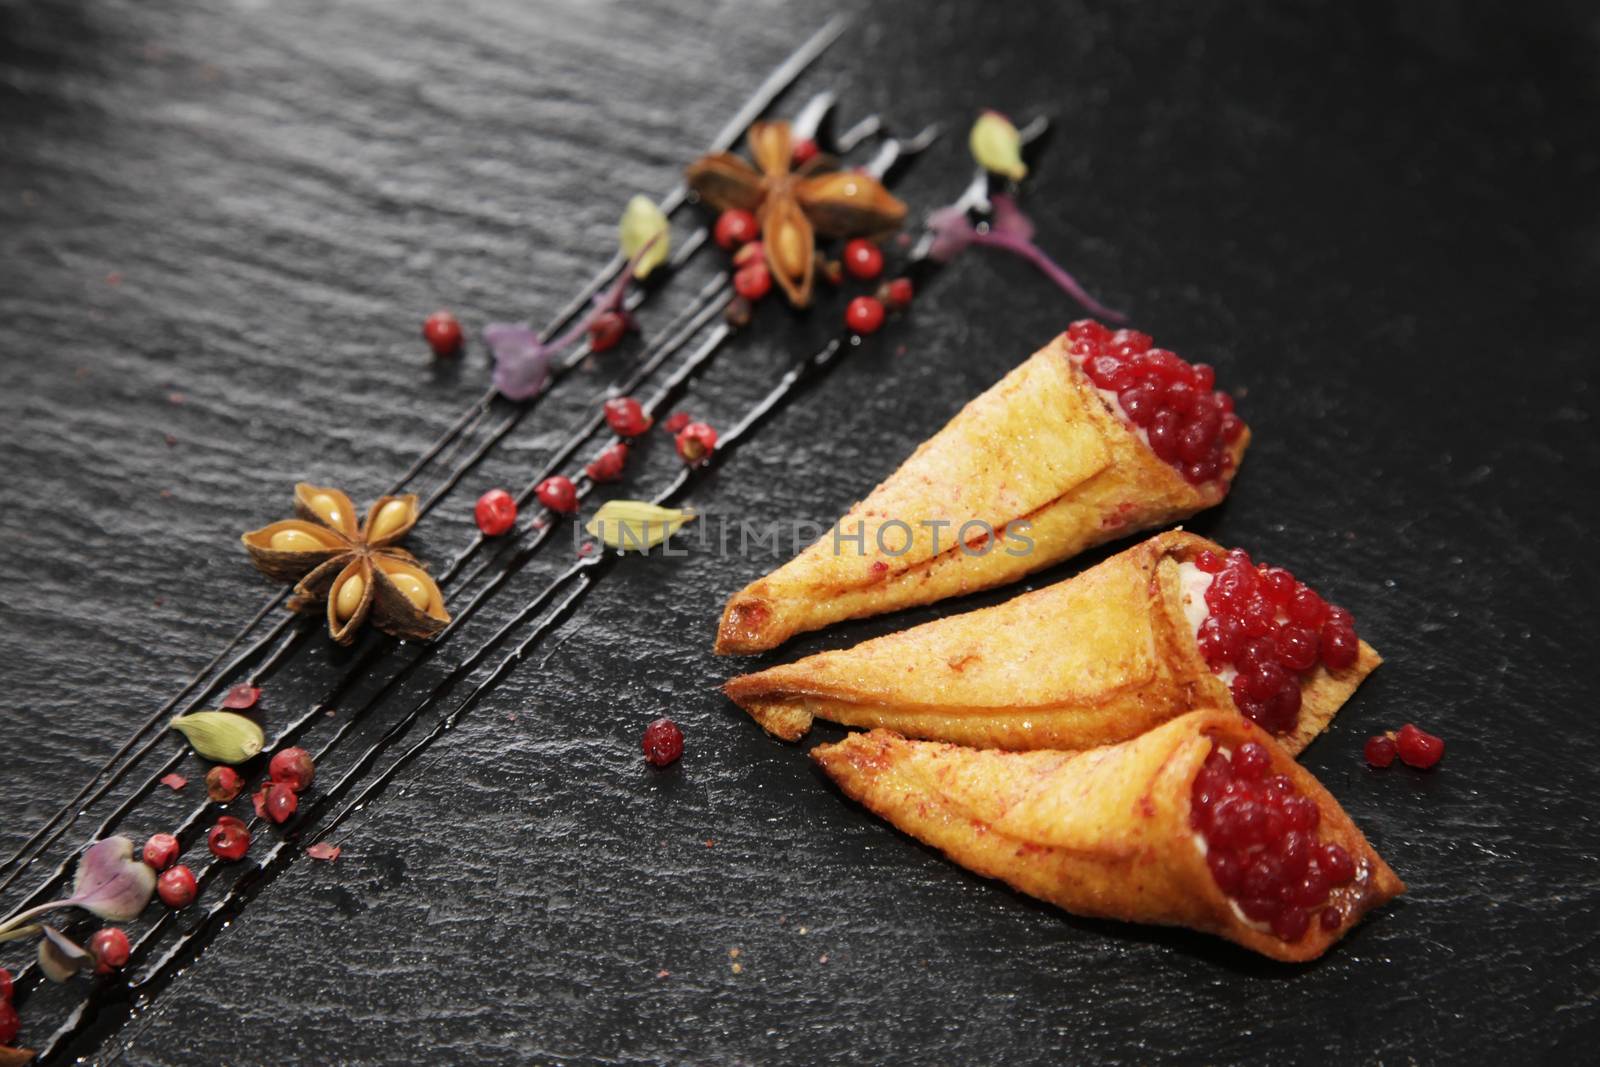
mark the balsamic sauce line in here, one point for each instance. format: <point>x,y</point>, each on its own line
<point>281,855</point>
<point>765,94</point>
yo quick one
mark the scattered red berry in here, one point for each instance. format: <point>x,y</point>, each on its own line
<point>1187,423</point>
<point>606,331</point>
<point>753,282</point>
<point>223,784</point>
<point>1418,748</point>
<point>242,696</point>
<point>1261,843</point>
<point>735,227</point>
<point>174,781</point>
<point>276,801</point>
<point>864,315</point>
<point>754,252</point>
<point>1379,750</point>
<point>177,887</point>
<point>695,442</point>
<point>229,839</point>
<point>607,466</point>
<point>161,851</point>
<point>10,1023</point>
<point>676,422</point>
<point>863,259</point>
<point>663,743</point>
<point>626,416</point>
<point>110,949</point>
<point>496,512</point>
<point>896,294</point>
<point>559,494</point>
<point>294,768</point>
<point>803,152</point>
<point>443,333</point>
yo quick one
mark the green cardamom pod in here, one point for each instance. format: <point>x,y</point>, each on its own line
<point>221,736</point>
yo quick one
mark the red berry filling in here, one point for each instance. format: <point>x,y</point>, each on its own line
<point>1261,844</point>
<point>1171,403</point>
<point>1263,631</point>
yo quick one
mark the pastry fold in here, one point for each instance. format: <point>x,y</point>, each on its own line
<point>1104,833</point>
<point>1093,660</point>
<point>1039,448</point>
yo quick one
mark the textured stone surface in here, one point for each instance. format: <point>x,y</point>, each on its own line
<point>1379,225</point>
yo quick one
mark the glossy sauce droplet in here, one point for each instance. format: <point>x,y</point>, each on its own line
<point>295,541</point>
<point>412,587</point>
<point>349,596</point>
<point>389,518</point>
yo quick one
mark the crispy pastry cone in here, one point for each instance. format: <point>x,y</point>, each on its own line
<point>1096,659</point>
<point>1104,833</point>
<point>1040,447</point>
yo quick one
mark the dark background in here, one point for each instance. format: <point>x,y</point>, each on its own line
<point>1378,220</point>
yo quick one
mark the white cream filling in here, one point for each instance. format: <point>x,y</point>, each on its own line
<point>1192,585</point>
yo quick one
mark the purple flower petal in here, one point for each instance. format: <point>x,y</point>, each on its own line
<point>521,360</point>
<point>952,231</point>
<point>1009,219</point>
<point>111,882</point>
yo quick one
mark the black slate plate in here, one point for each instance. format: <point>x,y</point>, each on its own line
<point>1379,221</point>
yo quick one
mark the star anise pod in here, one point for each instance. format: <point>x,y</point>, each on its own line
<point>794,208</point>
<point>351,572</point>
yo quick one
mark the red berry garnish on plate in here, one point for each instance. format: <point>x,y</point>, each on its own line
<point>110,949</point>
<point>443,333</point>
<point>229,839</point>
<point>695,442</point>
<point>753,282</point>
<point>676,422</point>
<point>1418,748</point>
<point>223,784</point>
<point>864,315</point>
<point>161,851</point>
<point>803,152</point>
<point>606,330</point>
<point>608,465</point>
<point>242,696</point>
<point>1379,750</point>
<point>276,801</point>
<point>896,294</point>
<point>663,743</point>
<point>495,513</point>
<point>293,767</point>
<point>177,887</point>
<point>735,227</point>
<point>626,416</point>
<point>558,494</point>
<point>863,259</point>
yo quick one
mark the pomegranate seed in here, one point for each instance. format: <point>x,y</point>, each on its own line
<point>293,767</point>
<point>10,1022</point>
<point>864,315</point>
<point>753,282</point>
<point>606,331</point>
<point>626,416</point>
<point>803,152</point>
<point>110,949</point>
<point>558,494</point>
<point>229,839</point>
<point>735,227</point>
<point>863,259</point>
<point>696,442</point>
<point>663,743</point>
<point>1379,750</point>
<point>1418,748</point>
<point>496,512</point>
<point>223,784</point>
<point>276,801</point>
<point>443,333</point>
<point>161,851</point>
<point>607,466</point>
<point>676,422</point>
<point>177,887</point>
